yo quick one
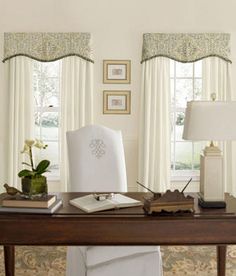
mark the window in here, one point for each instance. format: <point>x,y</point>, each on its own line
<point>46,89</point>
<point>186,85</point>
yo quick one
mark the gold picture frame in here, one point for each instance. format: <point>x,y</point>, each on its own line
<point>116,101</point>
<point>117,71</point>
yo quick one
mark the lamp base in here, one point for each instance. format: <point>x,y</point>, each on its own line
<point>210,204</point>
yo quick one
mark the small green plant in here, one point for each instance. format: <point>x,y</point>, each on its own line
<point>42,167</point>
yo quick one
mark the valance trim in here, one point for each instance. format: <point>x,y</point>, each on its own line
<point>51,60</point>
<point>186,47</point>
<point>47,47</point>
<point>189,61</point>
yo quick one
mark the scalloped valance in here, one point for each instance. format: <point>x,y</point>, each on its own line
<point>186,47</point>
<point>47,46</point>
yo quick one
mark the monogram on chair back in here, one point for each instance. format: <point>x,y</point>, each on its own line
<point>96,160</point>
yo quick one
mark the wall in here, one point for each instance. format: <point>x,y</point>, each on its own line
<point>117,28</point>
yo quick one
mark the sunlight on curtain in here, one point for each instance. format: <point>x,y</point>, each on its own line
<point>76,105</point>
<point>154,134</point>
<point>21,115</point>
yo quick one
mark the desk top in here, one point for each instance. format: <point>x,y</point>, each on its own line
<point>69,210</point>
<point>127,226</point>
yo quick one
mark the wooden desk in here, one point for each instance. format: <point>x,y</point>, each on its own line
<point>130,226</point>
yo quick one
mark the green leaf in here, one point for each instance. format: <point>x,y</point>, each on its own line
<point>25,173</point>
<point>42,167</point>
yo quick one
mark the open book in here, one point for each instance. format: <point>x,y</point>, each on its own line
<point>89,204</point>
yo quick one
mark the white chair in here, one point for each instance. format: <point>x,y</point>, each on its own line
<point>97,164</point>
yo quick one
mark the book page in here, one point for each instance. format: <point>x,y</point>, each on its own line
<point>124,201</point>
<point>90,204</point>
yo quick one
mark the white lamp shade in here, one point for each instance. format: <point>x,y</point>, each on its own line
<point>210,120</point>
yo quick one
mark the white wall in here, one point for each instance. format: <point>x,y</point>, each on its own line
<point>117,28</point>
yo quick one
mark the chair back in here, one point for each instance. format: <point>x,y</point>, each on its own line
<point>96,160</point>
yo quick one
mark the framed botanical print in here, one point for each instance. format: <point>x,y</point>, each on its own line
<point>116,102</point>
<point>116,71</point>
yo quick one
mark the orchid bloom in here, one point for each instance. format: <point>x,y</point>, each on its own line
<point>29,143</point>
<point>39,144</point>
<point>25,149</point>
<point>41,167</point>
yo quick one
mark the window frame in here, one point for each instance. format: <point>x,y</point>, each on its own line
<point>182,175</point>
<point>55,174</point>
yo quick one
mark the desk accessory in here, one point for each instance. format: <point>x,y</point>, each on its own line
<point>56,205</point>
<point>90,203</point>
<point>170,201</point>
<point>11,190</point>
<point>44,201</point>
<point>33,181</point>
<point>208,121</point>
<point>101,197</point>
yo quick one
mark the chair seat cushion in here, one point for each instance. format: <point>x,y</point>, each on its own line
<point>96,255</point>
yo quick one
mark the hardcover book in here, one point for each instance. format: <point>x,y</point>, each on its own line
<point>38,202</point>
<point>28,210</point>
<point>90,204</point>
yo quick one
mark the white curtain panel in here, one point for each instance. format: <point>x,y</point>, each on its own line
<point>21,113</point>
<point>217,79</point>
<point>154,133</point>
<point>76,104</point>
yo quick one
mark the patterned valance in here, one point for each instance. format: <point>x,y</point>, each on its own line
<point>47,46</point>
<point>185,47</point>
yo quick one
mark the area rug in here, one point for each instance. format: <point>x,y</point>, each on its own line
<point>177,260</point>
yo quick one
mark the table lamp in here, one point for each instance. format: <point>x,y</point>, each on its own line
<point>210,121</point>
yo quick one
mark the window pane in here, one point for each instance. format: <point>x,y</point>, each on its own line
<point>183,157</point>
<point>46,85</point>
<point>186,85</point>
<point>51,69</point>
<point>46,92</point>
<point>197,147</point>
<point>179,126</point>
<point>197,89</point>
<point>198,69</point>
<point>184,69</point>
<point>184,92</point>
<point>49,123</point>
<point>46,69</point>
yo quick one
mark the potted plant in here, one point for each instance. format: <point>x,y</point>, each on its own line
<point>32,180</point>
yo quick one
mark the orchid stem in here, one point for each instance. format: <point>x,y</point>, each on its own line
<point>31,158</point>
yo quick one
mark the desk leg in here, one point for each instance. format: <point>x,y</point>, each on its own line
<point>9,257</point>
<point>221,259</point>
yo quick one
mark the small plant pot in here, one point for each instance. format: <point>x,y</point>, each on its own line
<point>34,186</point>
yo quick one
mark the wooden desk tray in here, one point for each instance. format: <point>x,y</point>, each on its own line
<point>169,202</point>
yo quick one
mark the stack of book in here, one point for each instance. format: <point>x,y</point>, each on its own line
<point>46,204</point>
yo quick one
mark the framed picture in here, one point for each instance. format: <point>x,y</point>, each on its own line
<point>116,71</point>
<point>116,102</point>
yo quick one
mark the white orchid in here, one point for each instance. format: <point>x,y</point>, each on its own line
<point>29,143</point>
<point>41,167</point>
<point>39,144</point>
<point>25,149</point>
